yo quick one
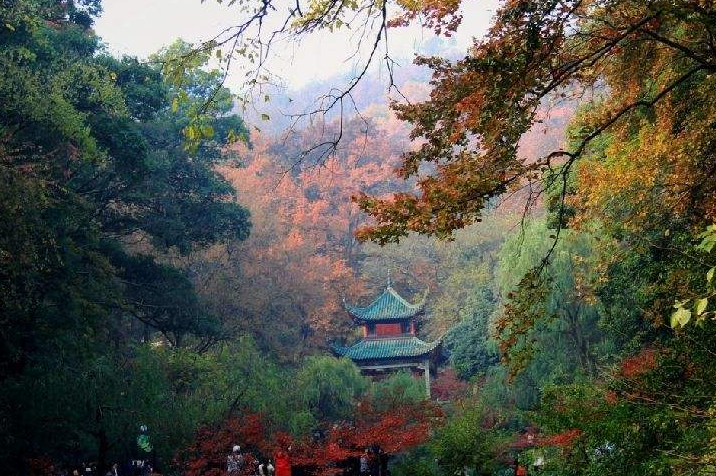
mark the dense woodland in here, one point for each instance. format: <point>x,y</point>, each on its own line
<point>164,263</point>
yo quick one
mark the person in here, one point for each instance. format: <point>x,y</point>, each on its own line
<point>364,468</point>
<point>374,463</point>
<point>283,464</point>
<point>234,461</point>
<point>137,467</point>
<point>253,463</point>
<point>270,470</point>
<point>113,471</point>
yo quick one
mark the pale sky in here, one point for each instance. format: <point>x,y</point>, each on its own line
<point>141,27</point>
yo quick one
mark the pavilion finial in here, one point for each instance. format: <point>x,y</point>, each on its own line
<point>390,281</point>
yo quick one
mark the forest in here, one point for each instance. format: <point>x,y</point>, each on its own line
<point>177,253</point>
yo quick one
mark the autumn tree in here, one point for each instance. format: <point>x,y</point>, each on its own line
<point>392,422</point>
<point>287,281</point>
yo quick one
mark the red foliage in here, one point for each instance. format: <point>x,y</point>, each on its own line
<point>530,439</point>
<point>447,386</point>
<point>565,439</point>
<point>639,364</point>
<point>393,430</point>
<point>207,455</point>
<point>396,429</point>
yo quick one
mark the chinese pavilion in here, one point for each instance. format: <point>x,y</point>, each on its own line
<point>389,340</point>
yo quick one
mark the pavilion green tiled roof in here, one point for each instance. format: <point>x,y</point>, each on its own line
<point>386,348</point>
<point>389,306</point>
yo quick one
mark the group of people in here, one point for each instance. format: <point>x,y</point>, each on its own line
<point>131,468</point>
<point>239,464</point>
<point>372,462</point>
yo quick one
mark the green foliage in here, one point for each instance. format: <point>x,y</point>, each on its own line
<point>109,180</point>
<point>198,95</point>
<point>472,442</point>
<point>397,390</point>
<point>651,417</point>
<point>700,303</point>
<point>472,351</point>
<point>329,387</point>
<point>419,462</point>
<point>555,316</point>
<point>98,189</point>
<point>469,442</point>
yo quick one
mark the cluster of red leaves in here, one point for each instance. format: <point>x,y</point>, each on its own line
<point>398,428</point>
<point>564,439</point>
<point>207,455</point>
<point>530,438</point>
<point>393,430</point>
<point>639,364</point>
<point>448,387</point>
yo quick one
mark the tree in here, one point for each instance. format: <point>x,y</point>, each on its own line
<point>93,206</point>
<point>392,428</point>
<point>453,273</point>
<point>397,390</point>
<point>558,317</point>
<point>536,49</point>
<point>682,315</point>
<point>471,349</point>
<point>207,455</point>
<point>330,388</point>
<point>468,442</point>
<point>287,281</point>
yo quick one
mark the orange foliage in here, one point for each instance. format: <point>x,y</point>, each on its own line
<point>302,256</point>
<point>565,439</point>
<point>442,16</point>
<point>482,107</point>
<point>639,364</point>
<point>611,397</point>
